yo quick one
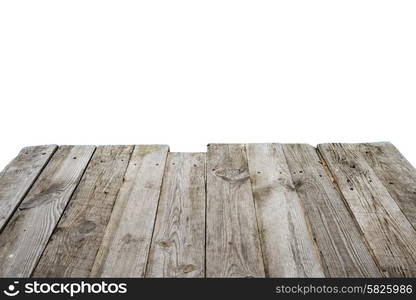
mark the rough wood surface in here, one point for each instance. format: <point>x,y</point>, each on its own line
<point>178,244</point>
<point>240,210</point>
<point>396,174</point>
<point>26,235</point>
<point>389,234</point>
<point>287,243</point>
<point>343,249</point>
<point>74,244</point>
<point>19,175</point>
<point>125,246</point>
<point>233,245</point>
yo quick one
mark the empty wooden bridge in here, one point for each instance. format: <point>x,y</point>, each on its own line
<point>239,210</point>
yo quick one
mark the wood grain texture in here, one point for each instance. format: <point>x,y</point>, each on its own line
<point>74,244</point>
<point>26,235</point>
<point>343,249</point>
<point>233,246</point>
<point>396,174</point>
<point>19,175</point>
<point>125,246</point>
<point>389,234</point>
<point>287,243</point>
<point>178,244</point>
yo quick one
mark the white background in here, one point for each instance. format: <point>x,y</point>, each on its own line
<point>186,73</point>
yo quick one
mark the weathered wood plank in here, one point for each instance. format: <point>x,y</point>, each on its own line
<point>19,175</point>
<point>233,246</point>
<point>26,235</point>
<point>74,244</point>
<point>389,234</point>
<point>395,172</point>
<point>287,243</point>
<point>343,248</point>
<point>178,243</point>
<point>125,246</point>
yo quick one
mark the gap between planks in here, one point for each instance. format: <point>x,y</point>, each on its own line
<point>235,173</point>
<point>390,235</point>
<point>26,234</point>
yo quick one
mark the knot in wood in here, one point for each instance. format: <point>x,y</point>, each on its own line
<point>233,175</point>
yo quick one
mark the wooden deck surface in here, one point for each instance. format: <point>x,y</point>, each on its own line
<point>238,210</point>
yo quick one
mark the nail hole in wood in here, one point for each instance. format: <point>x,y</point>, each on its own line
<point>74,157</point>
<point>351,189</point>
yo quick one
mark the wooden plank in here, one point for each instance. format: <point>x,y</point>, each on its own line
<point>343,248</point>
<point>287,243</point>
<point>26,235</point>
<point>125,246</point>
<point>389,234</point>
<point>74,244</point>
<point>19,175</point>
<point>233,245</point>
<point>178,243</point>
<point>396,174</point>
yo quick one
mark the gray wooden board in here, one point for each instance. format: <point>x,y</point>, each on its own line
<point>396,174</point>
<point>277,210</point>
<point>19,175</point>
<point>287,243</point>
<point>388,232</point>
<point>74,244</point>
<point>178,243</point>
<point>27,233</point>
<point>125,246</point>
<point>233,246</point>
<point>343,248</point>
